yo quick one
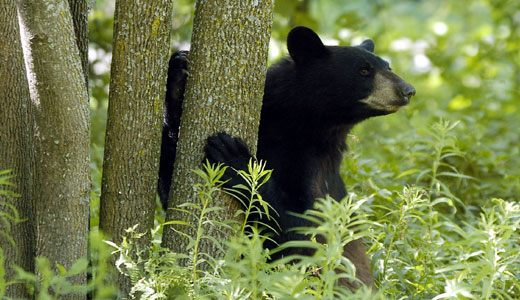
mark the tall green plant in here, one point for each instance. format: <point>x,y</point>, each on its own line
<point>8,213</point>
<point>9,217</point>
<point>246,271</point>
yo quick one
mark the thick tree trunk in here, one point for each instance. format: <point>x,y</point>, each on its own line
<point>224,93</point>
<point>15,154</point>
<point>60,102</point>
<point>137,89</point>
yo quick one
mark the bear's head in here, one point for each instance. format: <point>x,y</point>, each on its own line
<point>346,84</point>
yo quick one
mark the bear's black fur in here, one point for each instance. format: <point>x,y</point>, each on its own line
<point>176,82</point>
<point>311,101</point>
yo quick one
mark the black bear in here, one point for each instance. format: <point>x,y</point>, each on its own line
<point>312,99</point>
<point>175,84</point>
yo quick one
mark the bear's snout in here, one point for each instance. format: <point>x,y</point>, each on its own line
<point>407,91</point>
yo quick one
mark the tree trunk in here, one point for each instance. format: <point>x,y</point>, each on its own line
<point>228,62</point>
<point>79,12</point>
<point>60,102</point>
<point>15,129</point>
<point>137,90</point>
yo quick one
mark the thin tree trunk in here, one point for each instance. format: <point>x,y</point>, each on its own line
<point>15,153</point>
<point>224,93</point>
<point>60,101</point>
<point>137,89</point>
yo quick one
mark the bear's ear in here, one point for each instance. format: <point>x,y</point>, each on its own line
<point>304,44</point>
<point>367,45</point>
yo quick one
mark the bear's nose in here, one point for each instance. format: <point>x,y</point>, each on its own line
<point>408,91</point>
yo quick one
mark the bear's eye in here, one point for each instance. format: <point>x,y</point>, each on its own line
<point>364,71</point>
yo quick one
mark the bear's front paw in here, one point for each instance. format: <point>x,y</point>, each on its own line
<point>233,152</point>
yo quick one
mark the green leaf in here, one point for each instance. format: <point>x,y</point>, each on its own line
<point>407,172</point>
<point>78,267</point>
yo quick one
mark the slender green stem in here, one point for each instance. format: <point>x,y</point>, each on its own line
<point>197,240</point>
<point>247,213</point>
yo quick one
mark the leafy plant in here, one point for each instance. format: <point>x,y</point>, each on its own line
<point>52,285</point>
<point>53,281</point>
<point>255,177</point>
<point>9,215</point>
<point>487,264</point>
<point>246,271</point>
<point>154,271</point>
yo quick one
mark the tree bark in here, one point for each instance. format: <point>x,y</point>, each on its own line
<point>137,90</point>
<point>79,12</point>
<point>228,62</point>
<point>59,97</point>
<point>15,154</point>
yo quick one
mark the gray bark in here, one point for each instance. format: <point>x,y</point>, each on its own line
<point>137,90</point>
<point>60,101</point>
<point>228,61</point>
<point>15,153</point>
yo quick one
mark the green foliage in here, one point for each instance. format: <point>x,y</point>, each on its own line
<point>488,263</point>
<point>205,191</point>
<point>5,183</point>
<point>422,254</point>
<point>245,272</point>
<point>431,242</point>
<point>53,280</point>
<point>154,271</point>
<point>425,240</point>
<point>101,284</point>
<point>255,177</point>
<point>3,283</point>
<point>338,223</point>
<point>9,215</point>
